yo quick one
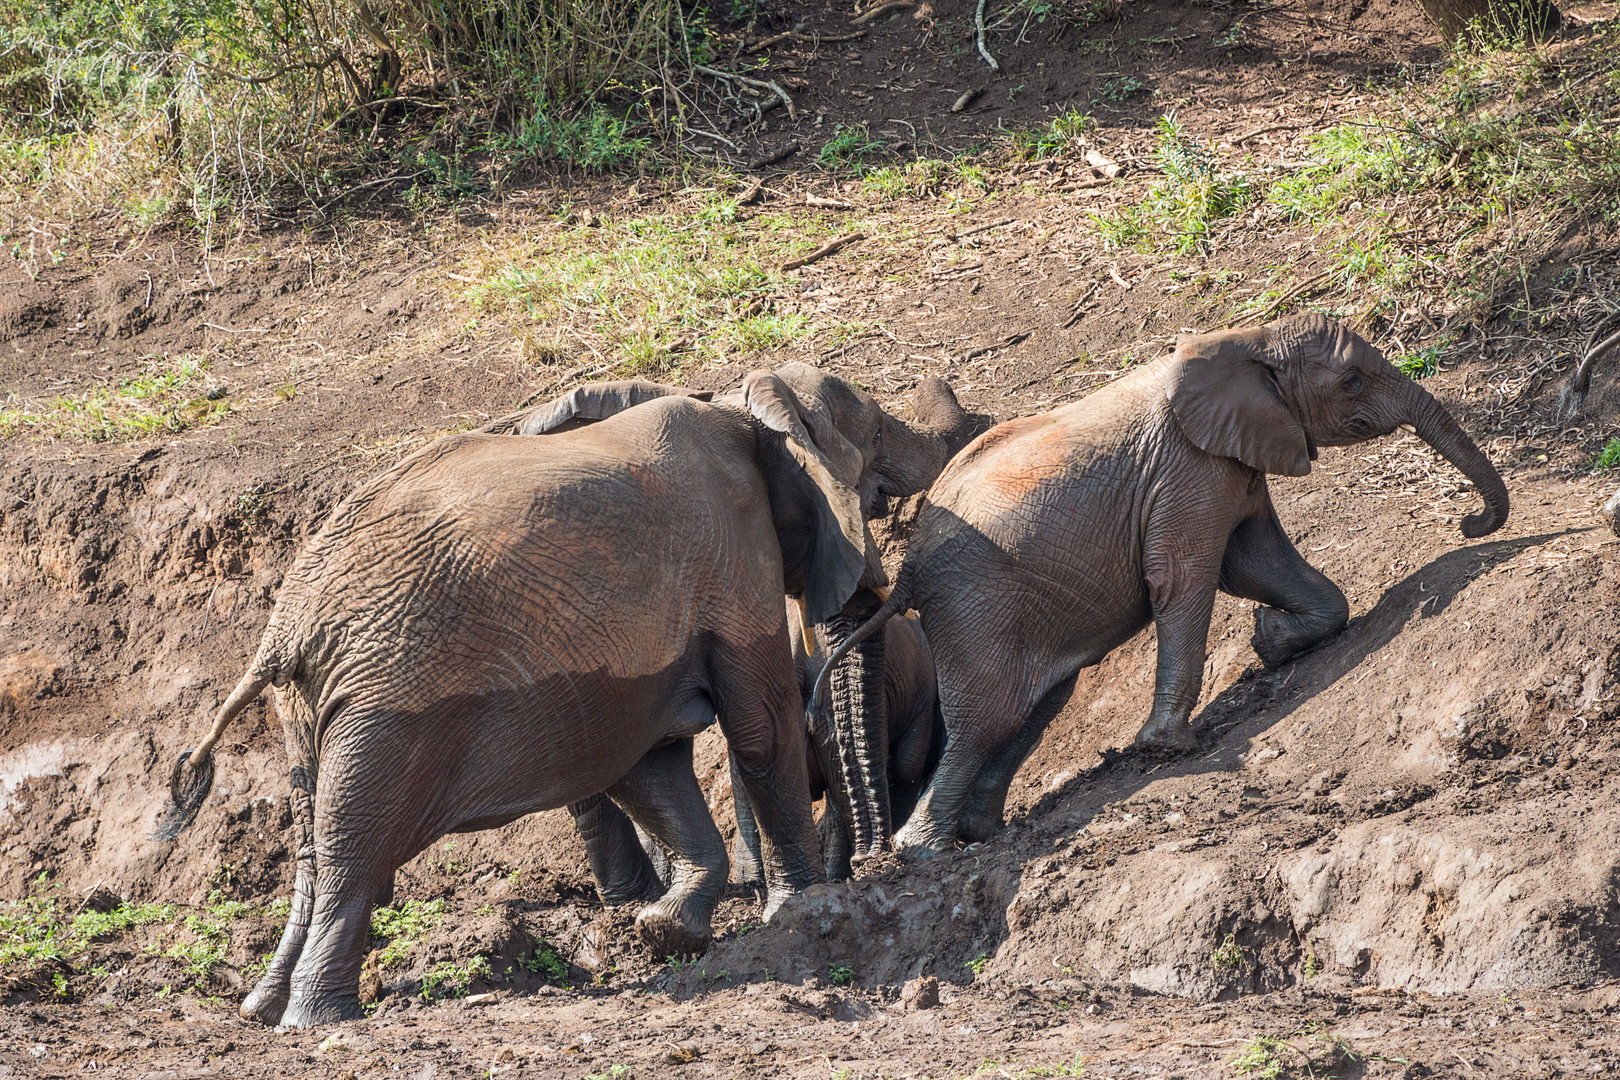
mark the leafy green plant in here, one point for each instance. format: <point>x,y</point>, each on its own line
<point>1229,955</point>
<point>841,975</point>
<point>1421,364</point>
<point>978,964</point>
<point>543,960</point>
<point>614,1072</point>
<point>403,925</point>
<point>1179,211</point>
<point>594,139</point>
<point>1608,457</point>
<point>850,146</point>
<point>1312,966</point>
<point>1261,1058</point>
<point>1062,134</point>
<point>450,979</point>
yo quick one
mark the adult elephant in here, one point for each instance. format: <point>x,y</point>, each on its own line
<point>629,866</point>
<point>853,749</point>
<point>497,626</point>
<point>1052,539</point>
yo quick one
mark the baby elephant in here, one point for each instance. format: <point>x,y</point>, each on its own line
<point>1052,539</point>
<point>628,865</point>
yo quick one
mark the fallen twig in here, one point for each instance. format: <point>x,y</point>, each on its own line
<point>823,251</point>
<point>882,9</point>
<point>711,135</point>
<point>982,228</point>
<point>762,84</point>
<point>751,192</point>
<point>228,330</point>
<point>827,204</point>
<point>978,20</point>
<point>966,99</point>
<point>1010,339</point>
<point>1074,316</point>
<point>776,155</point>
<point>799,35</point>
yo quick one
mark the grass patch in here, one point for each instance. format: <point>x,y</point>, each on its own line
<point>164,400</point>
<point>403,925</point>
<point>1180,210</point>
<point>851,147</point>
<point>1062,135</point>
<point>1229,955</point>
<point>1608,457</point>
<point>639,293</point>
<point>1261,1058</point>
<point>545,961</point>
<point>447,979</point>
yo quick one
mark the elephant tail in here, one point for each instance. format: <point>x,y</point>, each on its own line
<point>898,600</point>
<point>193,775</point>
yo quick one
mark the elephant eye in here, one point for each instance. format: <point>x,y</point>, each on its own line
<point>1352,383</point>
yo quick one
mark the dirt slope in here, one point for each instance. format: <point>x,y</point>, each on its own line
<point>1396,853</point>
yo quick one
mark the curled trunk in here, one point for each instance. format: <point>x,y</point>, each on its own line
<point>1435,426</point>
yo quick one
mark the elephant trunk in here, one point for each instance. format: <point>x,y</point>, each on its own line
<point>1435,426</point>
<point>856,745</point>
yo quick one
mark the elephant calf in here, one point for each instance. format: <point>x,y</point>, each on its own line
<point>499,625</point>
<point>623,862</point>
<point>1053,539</point>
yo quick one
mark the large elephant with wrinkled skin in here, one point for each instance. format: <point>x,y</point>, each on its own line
<point>1053,539</point>
<point>852,751</point>
<point>628,866</point>
<point>497,626</point>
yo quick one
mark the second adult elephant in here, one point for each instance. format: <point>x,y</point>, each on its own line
<point>1054,538</point>
<point>895,458</point>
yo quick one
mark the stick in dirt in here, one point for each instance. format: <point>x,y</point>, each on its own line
<point>823,251</point>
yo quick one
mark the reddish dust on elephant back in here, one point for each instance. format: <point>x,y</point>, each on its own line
<point>1392,856</point>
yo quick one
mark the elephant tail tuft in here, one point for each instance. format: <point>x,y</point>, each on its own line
<point>193,775</point>
<point>898,600</point>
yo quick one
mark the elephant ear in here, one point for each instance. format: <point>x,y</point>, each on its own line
<point>1225,398</point>
<point>831,463</point>
<point>586,404</point>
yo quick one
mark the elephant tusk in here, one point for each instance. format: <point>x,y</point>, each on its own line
<point>805,632</point>
<point>882,592</point>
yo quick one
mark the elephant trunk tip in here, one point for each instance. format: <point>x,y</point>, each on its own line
<point>1481,524</point>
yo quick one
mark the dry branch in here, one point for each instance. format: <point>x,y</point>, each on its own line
<point>1297,291</point>
<point>776,155</point>
<point>823,251</point>
<point>763,84</point>
<point>882,9</point>
<point>978,20</point>
<point>965,100</point>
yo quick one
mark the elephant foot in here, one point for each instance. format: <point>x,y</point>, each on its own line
<point>745,865</point>
<point>266,1004</point>
<point>1169,738</point>
<point>1276,639</point>
<point>639,889</point>
<point>980,823</point>
<point>310,1010</point>
<point>671,927</point>
<point>917,842</point>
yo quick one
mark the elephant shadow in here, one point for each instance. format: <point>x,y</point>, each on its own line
<point>1260,700</point>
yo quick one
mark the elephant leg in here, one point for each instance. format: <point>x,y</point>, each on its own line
<point>662,795</point>
<point>931,829</point>
<point>622,869</point>
<point>1182,622</point>
<point>268,999</point>
<point>986,810</point>
<point>757,702</point>
<point>1302,608</point>
<point>745,853</point>
<point>835,843</point>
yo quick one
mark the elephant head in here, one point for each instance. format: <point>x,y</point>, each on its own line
<point>1270,395</point>
<point>895,459</point>
<point>827,436</point>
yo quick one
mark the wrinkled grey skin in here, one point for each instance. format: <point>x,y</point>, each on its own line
<point>497,626</point>
<point>903,459</point>
<point>1611,513</point>
<point>1055,538</point>
<point>625,864</point>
